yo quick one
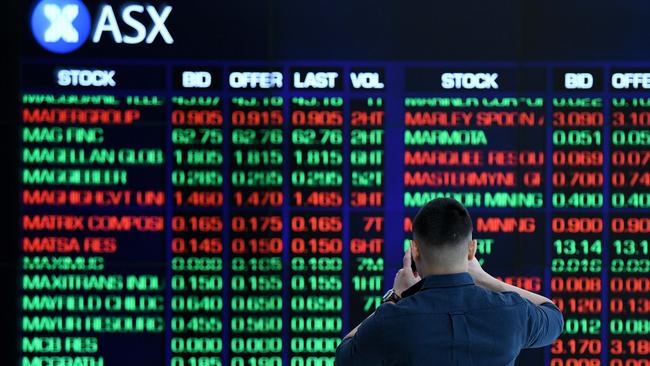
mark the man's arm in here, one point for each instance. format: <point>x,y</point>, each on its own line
<point>354,331</point>
<point>363,346</point>
<point>485,280</point>
<point>358,347</point>
<point>544,324</point>
<point>544,321</point>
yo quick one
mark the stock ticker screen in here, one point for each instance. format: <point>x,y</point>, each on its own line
<point>249,208</point>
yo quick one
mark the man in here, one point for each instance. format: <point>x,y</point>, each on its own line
<point>457,314</point>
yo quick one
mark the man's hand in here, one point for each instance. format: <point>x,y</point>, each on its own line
<point>405,277</point>
<point>477,272</point>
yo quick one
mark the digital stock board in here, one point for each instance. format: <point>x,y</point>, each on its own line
<point>203,212</point>
<point>249,215</point>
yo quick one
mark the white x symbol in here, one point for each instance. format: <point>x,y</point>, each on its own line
<point>61,23</point>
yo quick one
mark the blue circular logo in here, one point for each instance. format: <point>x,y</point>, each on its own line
<point>61,26</point>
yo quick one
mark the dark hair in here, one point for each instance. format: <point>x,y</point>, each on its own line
<point>442,222</point>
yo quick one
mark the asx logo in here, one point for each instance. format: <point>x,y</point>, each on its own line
<point>62,26</point>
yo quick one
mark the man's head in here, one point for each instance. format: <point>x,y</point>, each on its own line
<point>442,237</point>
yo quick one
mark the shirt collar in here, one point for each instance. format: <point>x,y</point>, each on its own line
<point>434,281</point>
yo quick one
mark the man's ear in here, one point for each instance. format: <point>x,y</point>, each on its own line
<point>415,249</point>
<point>471,250</point>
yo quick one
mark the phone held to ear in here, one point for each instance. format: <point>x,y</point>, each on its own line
<point>413,264</point>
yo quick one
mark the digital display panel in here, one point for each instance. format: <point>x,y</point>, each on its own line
<point>203,212</point>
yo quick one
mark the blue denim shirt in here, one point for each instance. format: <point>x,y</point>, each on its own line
<point>448,320</point>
